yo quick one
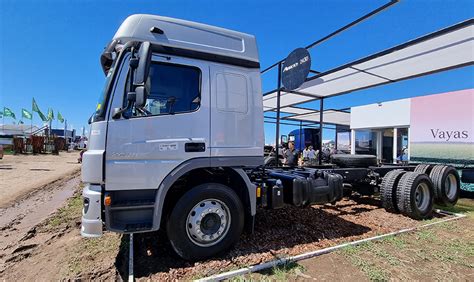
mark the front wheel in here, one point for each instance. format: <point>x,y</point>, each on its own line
<point>206,220</point>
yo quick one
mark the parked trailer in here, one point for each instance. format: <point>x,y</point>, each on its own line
<point>177,141</point>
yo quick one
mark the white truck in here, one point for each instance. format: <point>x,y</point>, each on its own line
<point>177,143</point>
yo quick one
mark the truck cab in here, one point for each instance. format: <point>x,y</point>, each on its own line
<point>305,137</point>
<point>181,108</point>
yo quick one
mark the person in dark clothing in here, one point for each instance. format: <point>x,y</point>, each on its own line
<point>290,155</point>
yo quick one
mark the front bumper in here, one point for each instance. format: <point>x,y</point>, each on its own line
<point>92,211</point>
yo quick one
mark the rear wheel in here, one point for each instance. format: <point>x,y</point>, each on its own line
<point>415,195</point>
<point>388,190</point>
<point>205,221</point>
<point>424,168</point>
<point>446,185</point>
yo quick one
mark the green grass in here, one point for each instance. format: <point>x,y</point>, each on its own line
<point>67,215</point>
<point>385,255</point>
<point>397,241</point>
<point>373,271</point>
<point>464,206</point>
<point>455,251</point>
<point>8,152</point>
<point>283,271</point>
<point>427,235</point>
<point>83,257</point>
<point>460,151</point>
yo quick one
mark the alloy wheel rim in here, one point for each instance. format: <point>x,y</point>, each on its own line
<point>208,222</point>
<point>422,196</point>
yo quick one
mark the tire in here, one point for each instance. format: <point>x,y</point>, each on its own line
<point>193,245</point>
<point>446,185</point>
<point>415,195</point>
<point>346,160</point>
<point>388,190</point>
<point>424,168</point>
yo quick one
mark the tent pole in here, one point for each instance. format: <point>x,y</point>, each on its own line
<point>301,128</point>
<point>277,134</point>
<point>321,123</point>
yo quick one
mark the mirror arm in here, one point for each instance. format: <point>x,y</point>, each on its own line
<point>126,112</point>
<point>138,64</point>
<point>122,112</point>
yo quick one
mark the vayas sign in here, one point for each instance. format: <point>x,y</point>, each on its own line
<point>442,128</point>
<point>448,135</point>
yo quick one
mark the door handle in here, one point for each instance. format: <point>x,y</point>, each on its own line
<point>194,147</point>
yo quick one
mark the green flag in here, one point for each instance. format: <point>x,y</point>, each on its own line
<point>42,116</point>
<point>26,114</point>
<point>8,113</point>
<point>35,107</point>
<point>60,118</point>
<point>50,114</point>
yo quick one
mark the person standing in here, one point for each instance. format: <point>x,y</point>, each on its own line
<point>290,155</point>
<point>305,153</point>
<point>311,154</point>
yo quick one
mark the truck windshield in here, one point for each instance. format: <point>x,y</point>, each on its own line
<point>100,108</point>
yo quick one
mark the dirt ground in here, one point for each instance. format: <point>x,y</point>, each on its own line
<point>21,174</point>
<point>443,252</point>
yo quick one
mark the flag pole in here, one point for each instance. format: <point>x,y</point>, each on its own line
<point>65,128</point>
<point>31,128</point>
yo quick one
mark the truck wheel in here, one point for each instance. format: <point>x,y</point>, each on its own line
<point>415,195</point>
<point>346,160</point>
<point>424,168</point>
<point>446,185</point>
<point>206,220</point>
<point>388,190</point>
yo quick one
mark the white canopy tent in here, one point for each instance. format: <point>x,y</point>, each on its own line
<point>336,117</point>
<point>449,48</point>
<point>446,49</point>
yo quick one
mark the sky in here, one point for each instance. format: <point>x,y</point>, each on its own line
<point>50,50</point>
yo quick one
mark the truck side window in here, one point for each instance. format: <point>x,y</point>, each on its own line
<point>173,88</point>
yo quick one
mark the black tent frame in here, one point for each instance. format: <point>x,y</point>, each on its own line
<point>320,98</point>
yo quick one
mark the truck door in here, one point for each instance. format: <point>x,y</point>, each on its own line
<point>143,149</point>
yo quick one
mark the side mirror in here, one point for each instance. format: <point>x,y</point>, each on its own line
<point>143,68</point>
<point>140,78</point>
<point>141,92</point>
